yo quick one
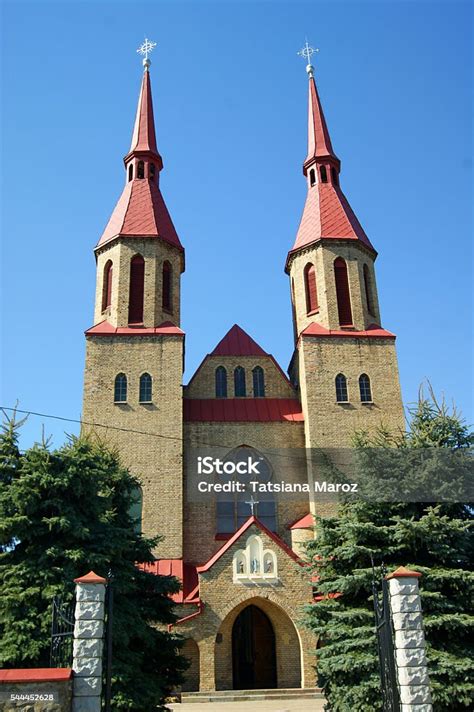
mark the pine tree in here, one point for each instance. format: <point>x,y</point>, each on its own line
<point>432,538</point>
<point>63,513</point>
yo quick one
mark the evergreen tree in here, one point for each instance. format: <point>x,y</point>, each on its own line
<point>63,513</point>
<point>432,538</point>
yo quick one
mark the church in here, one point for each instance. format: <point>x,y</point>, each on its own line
<point>238,558</point>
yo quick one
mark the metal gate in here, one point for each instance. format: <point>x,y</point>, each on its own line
<point>62,633</point>
<point>385,644</point>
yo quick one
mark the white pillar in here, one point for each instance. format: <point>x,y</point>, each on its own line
<point>410,653</point>
<point>88,643</point>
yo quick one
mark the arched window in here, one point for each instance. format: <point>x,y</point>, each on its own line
<point>120,388</point>
<point>334,176</point>
<point>135,508</point>
<point>310,288</point>
<point>368,291</point>
<point>107,285</point>
<point>221,382</point>
<point>365,390</point>
<point>324,174</point>
<point>233,510</point>
<point>140,169</point>
<point>342,292</point>
<point>130,172</point>
<point>145,395</point>
<point>137,279</point>
<point>312,177</point>
<point>240,390</point>
<point>166,297</point>
<point>341,388</point>
<point>152,171</point>
<point>258,382</point>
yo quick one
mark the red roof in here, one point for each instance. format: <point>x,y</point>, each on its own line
<point>374,331</point>
<point>141,212</point>
<point>319,141</point>
<point>91,577</point>
<point>167,328</point>
<point>34,675</point>
<point>242,410</point>
<point>143,137</point>
<point>238,343</point>
<point>235,537</point>
<point>186,573</point>
<point>306,522</point>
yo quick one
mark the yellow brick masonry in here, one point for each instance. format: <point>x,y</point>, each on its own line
<point>223,600</point>
<point>203,383</point>
<point>155,457</point>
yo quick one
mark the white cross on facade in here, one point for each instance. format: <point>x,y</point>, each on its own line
<point>252,502</point>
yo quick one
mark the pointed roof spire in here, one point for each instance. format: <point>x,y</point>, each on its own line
<point>319,141</point>
<point>327,213</point>
<point>144,137</point>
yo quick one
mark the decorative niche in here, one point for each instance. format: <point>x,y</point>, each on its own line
<point>255,565</point>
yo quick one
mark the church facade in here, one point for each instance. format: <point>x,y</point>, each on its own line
<point>243,586</point>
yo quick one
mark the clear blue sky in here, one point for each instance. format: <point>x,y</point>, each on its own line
<point>230,107</point>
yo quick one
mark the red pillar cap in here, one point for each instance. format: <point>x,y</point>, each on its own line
<point>91,577</point>
<point>403,572</point>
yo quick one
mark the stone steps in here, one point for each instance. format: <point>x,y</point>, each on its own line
<point>249,695</point>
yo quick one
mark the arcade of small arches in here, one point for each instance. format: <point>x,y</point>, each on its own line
<point>142,170</point>
<point>137,288</point>
<point>240,382</point>
<point>342,291</point>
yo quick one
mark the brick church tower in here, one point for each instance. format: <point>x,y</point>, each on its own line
<point>238,560</point>
<point>135,350</point>
<point>345,363</point>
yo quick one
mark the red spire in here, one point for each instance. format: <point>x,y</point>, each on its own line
<point>143,137</point>
<point>327,213</point>
<point>319,141</point>
<point>141,210</point>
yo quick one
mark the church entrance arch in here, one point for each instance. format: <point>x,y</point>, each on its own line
<point>253,651</point>
<point>265,627</point>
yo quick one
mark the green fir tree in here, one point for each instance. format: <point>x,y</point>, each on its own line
<point>63,513</point>
<point>432,538</point>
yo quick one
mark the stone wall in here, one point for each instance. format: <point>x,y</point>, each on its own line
<point>36,684</point>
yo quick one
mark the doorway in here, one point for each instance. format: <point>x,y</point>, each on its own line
<point>253,651</point>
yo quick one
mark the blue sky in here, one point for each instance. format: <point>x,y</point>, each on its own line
<point>230,98</point>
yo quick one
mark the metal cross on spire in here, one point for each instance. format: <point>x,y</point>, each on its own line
<point>307,52</point>
<point>252,502</point>
<point>145,49</point>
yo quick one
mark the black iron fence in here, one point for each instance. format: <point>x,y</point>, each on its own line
<point>385,643</point>
<point>62,633</point>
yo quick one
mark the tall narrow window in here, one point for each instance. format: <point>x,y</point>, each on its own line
<point>324,174</point>
<point>258,382</point>
<point>240,390</point>
<point>310,288</point>
<point>130,172</point>
<point>342,292</point>
<point>368,291</point>
<point>140,169</point>
<point>166,297</point>
<point>137,279</point>
<point>312,177</point>
<point>341,388</point>
<point>152,171</point>
<point>221,382</point>
<point>120,388</point>
<point>145,394</point>
<point>365,390</point>
<point>107,286</point>
<point>334,176</point>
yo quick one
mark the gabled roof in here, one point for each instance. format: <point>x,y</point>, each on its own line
<point>141,212</point>
<point>238,343</point>
<point>306,522</point>
<point>186,573</point>
<point>235,537</point>
<point>242,410</point>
